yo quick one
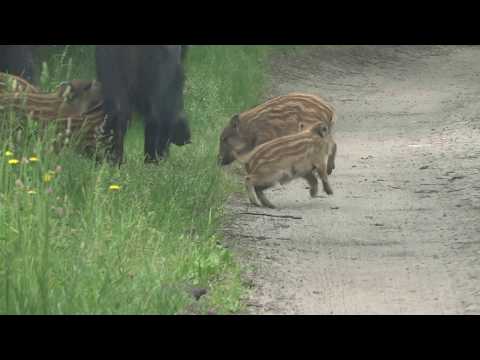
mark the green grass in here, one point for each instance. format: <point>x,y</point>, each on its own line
<point>74,247</point>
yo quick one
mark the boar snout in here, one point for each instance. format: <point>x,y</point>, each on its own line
<point>224,160</point>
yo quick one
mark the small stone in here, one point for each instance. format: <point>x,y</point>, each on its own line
<point>197,293</point>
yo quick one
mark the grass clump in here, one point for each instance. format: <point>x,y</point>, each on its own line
<point>78,237</point>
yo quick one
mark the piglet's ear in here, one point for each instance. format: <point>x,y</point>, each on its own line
<point>317,129</point>
<point>88,86</point>
<point>235,121</point>
<point>65,91</point>
<point>64,88</point>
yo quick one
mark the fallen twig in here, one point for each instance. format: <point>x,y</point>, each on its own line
<point>254,305</point>
<point>455,190</point>
<point>270,215</point>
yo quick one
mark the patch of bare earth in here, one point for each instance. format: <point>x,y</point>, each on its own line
<point>401,234</point>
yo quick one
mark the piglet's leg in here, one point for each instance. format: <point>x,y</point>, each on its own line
<point>313,183</point>
<point>263,199</point>
<point>326,185</point>
<point>251,191</point>
<point>322,172</point>
<point>331,159</point>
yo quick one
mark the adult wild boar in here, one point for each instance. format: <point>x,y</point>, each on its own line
<point>277,117</point>
<point>17,60</point>
<point>148,79</point>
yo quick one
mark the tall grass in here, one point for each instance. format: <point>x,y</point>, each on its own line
<point>70,245</point>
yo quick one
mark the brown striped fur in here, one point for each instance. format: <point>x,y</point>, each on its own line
<point>81,95</point>
<point>76,108</point>
<point>12,83</point>
<point>286,158</point>
<point>280,116</point>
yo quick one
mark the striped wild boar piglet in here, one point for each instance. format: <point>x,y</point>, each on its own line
<point>81,96</point>
<point>277,117</point>
<point>284,159</point>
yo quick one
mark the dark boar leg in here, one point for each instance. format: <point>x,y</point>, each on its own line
<point>116,125</point>
<point>261,196</point>
<point>331,159</point>
<point>156,140</point>
<point>313,183</point>
<point>158,126</point>
<point>121,130</point>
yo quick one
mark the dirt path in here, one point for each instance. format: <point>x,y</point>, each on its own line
<point>401,235</point>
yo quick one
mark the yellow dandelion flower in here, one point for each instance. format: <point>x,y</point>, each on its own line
<point>8,153</point>
<point>13,162</point>
<point>34,159</point>
<point>114,188</point>
<point>47,177</point>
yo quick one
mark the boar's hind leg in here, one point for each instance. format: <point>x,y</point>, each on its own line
<point>116,126</point>
<point>322,172</point>
<point>163,115</point>
<point>261,196</point>
<point>326,185</point>
<point>331,159</point>
<point>313,183</point>
<point>251,191</point>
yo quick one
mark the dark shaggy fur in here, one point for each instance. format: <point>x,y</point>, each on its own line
<point>17,60</point>
<point>148,79</point>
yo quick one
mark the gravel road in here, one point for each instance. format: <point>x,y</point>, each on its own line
<point>401,234</point>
